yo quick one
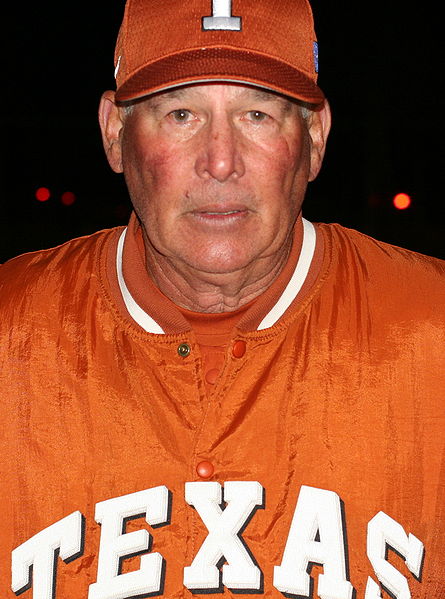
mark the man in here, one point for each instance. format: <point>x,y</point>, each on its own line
<point>221,398</point>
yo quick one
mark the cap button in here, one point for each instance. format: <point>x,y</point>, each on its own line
<point>239,348</point>
<point>184,350</point>
<point>205,469</point>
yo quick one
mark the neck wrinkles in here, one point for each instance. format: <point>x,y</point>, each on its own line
<point>215,293</point>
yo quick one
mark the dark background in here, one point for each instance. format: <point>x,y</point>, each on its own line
<point>379,66</point>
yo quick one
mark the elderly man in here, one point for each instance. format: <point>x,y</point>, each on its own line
<point>222,397</point>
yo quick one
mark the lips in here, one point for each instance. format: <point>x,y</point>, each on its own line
<point>220,213</point>
<point>220,217</point>
<point>223,208</point>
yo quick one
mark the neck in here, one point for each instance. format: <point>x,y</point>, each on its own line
<point>214,292</point>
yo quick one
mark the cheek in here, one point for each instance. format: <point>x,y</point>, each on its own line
<point>288,171</point>
<point>149,167</point>
<point>299,165</point>
<point>141,154</point>
<point>285,167</point>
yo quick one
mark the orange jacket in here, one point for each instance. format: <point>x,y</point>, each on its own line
<point>326,436</point>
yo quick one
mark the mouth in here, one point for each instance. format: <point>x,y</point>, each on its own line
<point>220,212</point>
<point>220,219</point>
<point>213,214</point>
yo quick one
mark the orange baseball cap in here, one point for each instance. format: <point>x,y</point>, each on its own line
<point>267,43</point>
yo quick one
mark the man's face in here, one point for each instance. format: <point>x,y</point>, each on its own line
<point>217,174</point>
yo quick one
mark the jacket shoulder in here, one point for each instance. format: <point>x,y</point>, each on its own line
<point>52,271</point>
<point>382,279</point>
<point>379,256</point>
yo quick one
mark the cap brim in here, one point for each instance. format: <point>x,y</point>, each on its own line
<point>220,64</point>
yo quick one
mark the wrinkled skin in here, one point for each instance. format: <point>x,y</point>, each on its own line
<point>217,174</point>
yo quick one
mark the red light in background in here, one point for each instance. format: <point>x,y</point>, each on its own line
<point>68,198</point>
<point>401,201</point>
<point>43,194</point>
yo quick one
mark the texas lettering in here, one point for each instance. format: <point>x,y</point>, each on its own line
<point>315,536</point>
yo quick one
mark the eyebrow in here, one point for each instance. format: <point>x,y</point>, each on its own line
<point>261,95</point>
<point>168,95</point>
<point>270,96</point>
<point>153,102</point>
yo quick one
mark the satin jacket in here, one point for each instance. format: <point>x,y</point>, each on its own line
<point>314,467</point>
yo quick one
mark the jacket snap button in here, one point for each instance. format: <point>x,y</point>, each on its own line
<point>239,348</point>
<point>211,376</point>
<point>184,350</point>
<point>205,469</point>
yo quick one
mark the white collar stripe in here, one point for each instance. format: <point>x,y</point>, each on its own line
<point>289,294</point>
<point>297,279</point>
<point>134,309</point>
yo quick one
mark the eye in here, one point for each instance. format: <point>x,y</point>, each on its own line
<point>181,115</point>
<point>257,116</point>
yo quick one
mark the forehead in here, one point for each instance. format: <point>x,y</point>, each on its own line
<point>216,90</point>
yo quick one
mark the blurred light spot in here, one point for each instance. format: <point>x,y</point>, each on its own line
<point>401,201</point>
<point>68,198</point>
<point>43,194</point>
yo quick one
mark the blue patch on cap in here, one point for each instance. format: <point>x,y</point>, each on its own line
<point>316,56</point>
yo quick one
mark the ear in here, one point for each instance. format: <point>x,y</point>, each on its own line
<point>319,127</point>
<point>111,123</point>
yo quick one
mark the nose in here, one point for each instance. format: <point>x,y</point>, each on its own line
<point>219,156</point>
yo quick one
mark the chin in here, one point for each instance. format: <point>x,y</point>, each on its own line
<point>220,262</point>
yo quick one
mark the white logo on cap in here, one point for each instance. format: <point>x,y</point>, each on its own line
<point>116,70</point>
<point>221,17</point>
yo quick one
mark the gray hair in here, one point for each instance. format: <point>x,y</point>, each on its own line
<point>128,108</point>
<point>305,108</point>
